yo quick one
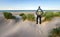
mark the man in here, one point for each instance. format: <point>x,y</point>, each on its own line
<point>39,13</point>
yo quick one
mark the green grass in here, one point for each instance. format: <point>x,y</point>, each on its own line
<point>55,32</point>
<point>57,14</point>
<point>24,17</point>
<point>8,15</point>
<point>49,15</point>
<point>29,17</point>
<point>21,14</point>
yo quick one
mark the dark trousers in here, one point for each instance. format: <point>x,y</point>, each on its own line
<point>38,17</point>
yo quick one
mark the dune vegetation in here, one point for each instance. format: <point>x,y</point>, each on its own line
<point>55,32</point>
<point>49,15</point>
<point>8,15</point>
<point>29,17</point>
<point>23,16</point>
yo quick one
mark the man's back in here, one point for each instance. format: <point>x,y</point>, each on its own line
<point>39,11</point>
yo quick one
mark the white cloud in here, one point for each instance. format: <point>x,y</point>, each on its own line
<point>28,8</point>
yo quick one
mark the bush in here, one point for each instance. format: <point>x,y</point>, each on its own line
<point>48,15</point>
<point>8,15</point>
<point>24,17</point>
<point>22,14</point>
<point>31,17</point>
<point>55,32</point>
<point>57,14</point>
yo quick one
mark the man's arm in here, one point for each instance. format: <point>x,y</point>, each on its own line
<point>42,12</point>
<point>36,12</point>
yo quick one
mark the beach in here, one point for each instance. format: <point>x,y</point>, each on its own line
<point>29,18</point>
<point>20,28</point>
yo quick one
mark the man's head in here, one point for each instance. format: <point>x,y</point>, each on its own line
<point>39,8</point>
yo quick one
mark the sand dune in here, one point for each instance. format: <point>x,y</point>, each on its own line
<point>14,28</point>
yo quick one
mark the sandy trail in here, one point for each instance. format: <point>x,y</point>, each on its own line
<point>13,28</point>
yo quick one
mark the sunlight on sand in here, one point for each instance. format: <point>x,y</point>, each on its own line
<point>14,28</point>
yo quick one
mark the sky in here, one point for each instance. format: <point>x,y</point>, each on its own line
<point>29,4</point>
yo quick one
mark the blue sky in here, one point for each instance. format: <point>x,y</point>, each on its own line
<point>29,4</point>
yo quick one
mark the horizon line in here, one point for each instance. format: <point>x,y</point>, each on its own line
<point>42,9</point>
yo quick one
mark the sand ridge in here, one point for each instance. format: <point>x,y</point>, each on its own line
<point>14,28</point>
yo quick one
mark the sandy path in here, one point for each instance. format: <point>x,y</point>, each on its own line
<point>27,29</point>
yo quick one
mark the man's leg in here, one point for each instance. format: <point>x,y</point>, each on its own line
<point>40,19</point>
<point>37,20</point>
